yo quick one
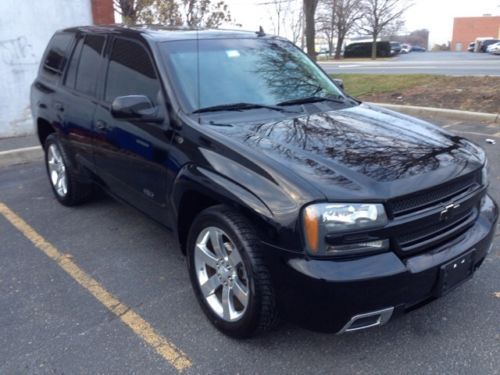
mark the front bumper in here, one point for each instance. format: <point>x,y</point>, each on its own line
<point>326,294</point>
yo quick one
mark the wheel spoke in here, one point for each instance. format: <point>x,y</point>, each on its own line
<point>217,244</point>
<point>64,185</point>
<point>206,256</point>
<point>235,257</point>
<point>59,183</point>
<point>240,291</point>
<point>227,302</point>
<point>209,287</point>
<point>56,154</point>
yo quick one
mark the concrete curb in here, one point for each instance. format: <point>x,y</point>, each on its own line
<point>20,155</point>
<point>448,113</point>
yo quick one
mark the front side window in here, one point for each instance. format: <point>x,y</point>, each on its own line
<point>88,67</point>
<point>131,72</point>
<point>260,71</point>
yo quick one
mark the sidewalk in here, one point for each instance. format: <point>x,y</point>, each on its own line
<point>13,143</point>
<point>17,150</point>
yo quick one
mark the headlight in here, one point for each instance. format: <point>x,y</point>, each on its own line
<point>484,174</point>
<point>324,221</point>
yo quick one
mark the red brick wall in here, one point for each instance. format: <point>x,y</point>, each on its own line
<point>467,29</point>
<point>103,12</point>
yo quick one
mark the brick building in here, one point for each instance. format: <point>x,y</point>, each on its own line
<point>467,29</point>
<point>25,29</point>
<point>102,12</point>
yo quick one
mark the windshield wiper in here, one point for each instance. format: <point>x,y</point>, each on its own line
<point>240,107</point>
<point>313,99</point>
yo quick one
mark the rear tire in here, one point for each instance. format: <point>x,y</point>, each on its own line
<point>221,274</point>
<point>66,184</point>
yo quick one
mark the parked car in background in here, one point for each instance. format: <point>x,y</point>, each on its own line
<point>395,48</point>
<point>364,49</point>
<point>417,48</point>
<point>405,48</point>
<point>486,43</point>
<point>472,47</point>
<point>494,48</point>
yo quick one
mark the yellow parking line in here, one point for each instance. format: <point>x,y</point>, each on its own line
<point>134,321</point>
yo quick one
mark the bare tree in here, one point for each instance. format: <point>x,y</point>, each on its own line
<point>194,13</point>
<point>417,37</point>
<point>347,14</point>
<point>325,21</point>
<point>296,23</point>
<point>310,31</point>
<point>380,14</point>
<point>131,9</point>
<point>337,18</point>
<point>286,17</point>
<point>278,10</point>
<point>205,13</point>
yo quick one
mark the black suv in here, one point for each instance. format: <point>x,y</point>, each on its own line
<point>288,197</point>
<point>364,49</point>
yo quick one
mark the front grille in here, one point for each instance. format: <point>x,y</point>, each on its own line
<point>436,234</point>
<point>434,196</point>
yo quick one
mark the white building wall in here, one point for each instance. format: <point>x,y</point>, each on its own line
<point>26,26</point>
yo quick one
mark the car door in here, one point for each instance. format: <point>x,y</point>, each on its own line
<point>76,101</point>
<point>132,156</point>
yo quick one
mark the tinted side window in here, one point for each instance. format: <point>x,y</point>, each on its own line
<point>88,67</point>
<point>131,72</point>
<point>73,65</point>
<point>55,56</point>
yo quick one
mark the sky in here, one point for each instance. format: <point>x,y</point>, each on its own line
<point>434,15</point>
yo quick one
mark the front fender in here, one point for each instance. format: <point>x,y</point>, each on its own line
<point>221,189</point>
<point>279,226</point>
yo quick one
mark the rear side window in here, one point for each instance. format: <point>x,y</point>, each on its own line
<point>88,67</point>
<point>55,56</point>
<point>131,72</point>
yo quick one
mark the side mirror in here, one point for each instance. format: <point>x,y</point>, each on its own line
<point>135,107</point>
<point>339,82</point>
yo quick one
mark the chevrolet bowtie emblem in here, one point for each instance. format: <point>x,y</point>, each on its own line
<point>448,209</point>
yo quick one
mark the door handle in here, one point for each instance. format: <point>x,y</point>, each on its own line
<point>101,125</point>
<point>59,106</point>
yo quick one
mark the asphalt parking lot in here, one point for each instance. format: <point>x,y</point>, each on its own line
<point>102,289</point>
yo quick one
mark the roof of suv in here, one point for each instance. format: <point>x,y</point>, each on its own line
<point>158,32</point>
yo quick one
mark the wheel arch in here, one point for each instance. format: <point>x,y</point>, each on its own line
<point>44,129</point>
<point>196,189</point>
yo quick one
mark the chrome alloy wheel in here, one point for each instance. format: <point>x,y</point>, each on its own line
<point>221,274</point>
<point>57,171</point>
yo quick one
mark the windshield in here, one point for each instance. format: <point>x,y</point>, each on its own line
<point>257,71</point>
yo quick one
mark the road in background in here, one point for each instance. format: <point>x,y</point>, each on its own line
<point>446,63</point>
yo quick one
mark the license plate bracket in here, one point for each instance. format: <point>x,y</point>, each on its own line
<point>455,272</point>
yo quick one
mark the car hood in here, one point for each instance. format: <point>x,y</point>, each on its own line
<point>364,151</point>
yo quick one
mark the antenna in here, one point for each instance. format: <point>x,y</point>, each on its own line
<point>260,32</point>
<point>198,70</point>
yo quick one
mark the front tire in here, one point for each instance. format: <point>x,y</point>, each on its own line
<point>63,177</point>
<point>229,274</point>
